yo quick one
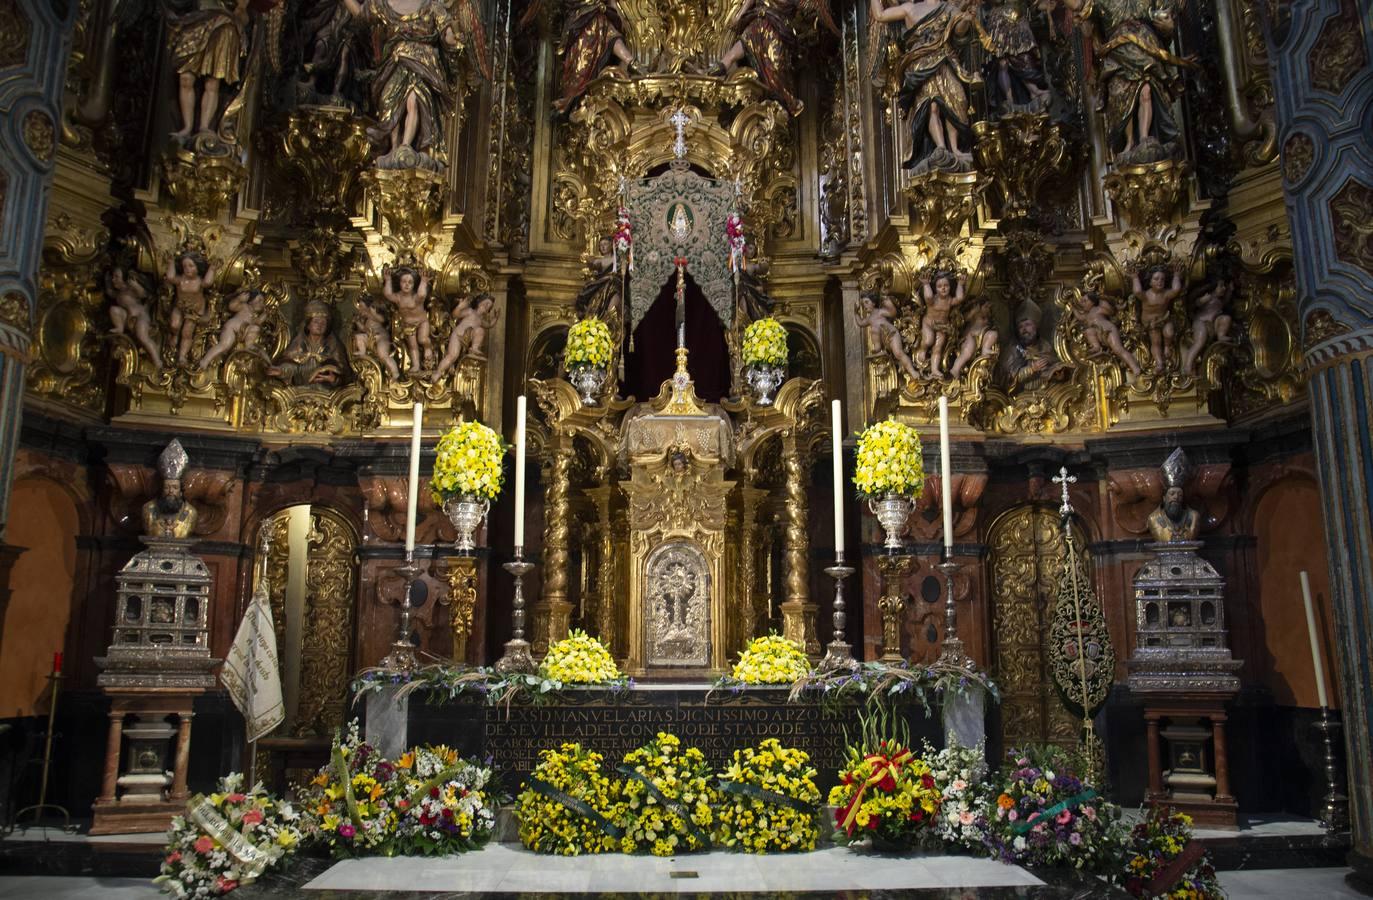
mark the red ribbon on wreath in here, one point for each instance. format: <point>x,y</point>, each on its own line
<point>885,770</point>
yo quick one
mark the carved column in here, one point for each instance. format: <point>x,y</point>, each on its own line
<point>894,568</point>
<point>798,613</point>
<point>35,49</point>
<point>750,497</point>
<point>605,574</point>
<point>553,618</point>
<point>461,572</point>
<point>1321,55</point>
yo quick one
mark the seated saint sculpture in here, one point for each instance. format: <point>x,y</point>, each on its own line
<point>1031,362</point>
<point>1173,521</point>
<point>314,356</point>
<point>170,514</point>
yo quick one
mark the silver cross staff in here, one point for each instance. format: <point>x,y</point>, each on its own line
<point>1063,479</point>
<point>680,120</point>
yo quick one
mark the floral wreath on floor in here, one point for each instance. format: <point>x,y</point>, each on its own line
<point>770,801</point>
<point>226,840</point>
<point>446,807</point>
<point>960,774</point>
<point>1044,815</point>
<point>569,806</point>
<point>667,797</point>
<point>1162,860</point>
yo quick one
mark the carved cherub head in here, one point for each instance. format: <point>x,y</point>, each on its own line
<point>192,264</point>
<point>404,279</point>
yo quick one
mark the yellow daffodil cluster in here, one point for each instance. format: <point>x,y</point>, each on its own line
<point>765,343</point>
<point>579,659</point>
<point>468,462</point>
<point>667,798</point>
<point>888,795</point>
<point>569,806</point>
<point>889,461</point>
<point>769,800</point>
<point>589,344</point>
<point>197,861</point>
<point>771,659</point>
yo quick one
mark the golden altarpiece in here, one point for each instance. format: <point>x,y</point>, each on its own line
<point>282,278</point>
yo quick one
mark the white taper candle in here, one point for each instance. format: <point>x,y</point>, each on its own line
<point>837,436</point>
<point>519,470</point>
<point>945,475</point>
<point>1315,642</point>
<point>414,493</point>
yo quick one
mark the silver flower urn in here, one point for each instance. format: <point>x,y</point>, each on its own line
<point>466,514</point>
<point>588,381</point>
<point>764,380</point>
<point>892,511</point>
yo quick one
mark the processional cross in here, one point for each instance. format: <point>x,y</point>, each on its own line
<point>1063,479</point>
<point>680,120</point>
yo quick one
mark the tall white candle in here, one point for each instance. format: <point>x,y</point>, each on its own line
<point>837,436</point>
<point>519,470</point>
<point>945,475</point>
<point>414,493</point>
<point>1315,642</point>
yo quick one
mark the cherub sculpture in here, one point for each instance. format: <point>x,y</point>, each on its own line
<point>877,312</point>
<point>372,336</point>
<point>1210,321</point>
<point>1097,315</point>
<point>243,328</point>
<point>190,274</point>
<point>130,310</point>
<point>408,291</point>
<point>1155,310</point>
<point>980,337</point>
<point>472,319</point>
<point>941,296</point>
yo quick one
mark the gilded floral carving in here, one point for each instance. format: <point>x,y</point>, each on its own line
<point>39,135</point>
<point>1297,155</point>
<point>14,311</point>
<point>1338,53</point>
<point>14,34</point>
<point>1351,220</point>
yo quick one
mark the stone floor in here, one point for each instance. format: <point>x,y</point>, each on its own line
<point>924,877</point>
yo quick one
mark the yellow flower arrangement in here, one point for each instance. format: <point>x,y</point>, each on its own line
<point>889,461</point>
<point>589,344</point>
<point>770,802</point>
<point>579,659</point>
<point>889,794</point>
<point>568,806</point>
<point>771,659</point>
<point>667,797</point>
<point>765,343</point>
<point>468,462</point>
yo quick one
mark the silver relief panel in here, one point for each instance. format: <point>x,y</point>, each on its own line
<point>677,585</point>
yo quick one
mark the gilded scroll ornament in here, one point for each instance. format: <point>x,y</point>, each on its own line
<point>14,311</point>
<point>327,626</point>
<point>461,601</point>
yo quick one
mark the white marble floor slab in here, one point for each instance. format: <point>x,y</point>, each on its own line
<point>1270,884</point>
<point>510,869</point>
<point>47,887</point>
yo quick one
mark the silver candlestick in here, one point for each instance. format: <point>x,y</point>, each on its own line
<point>517,657</point>
<point>952,651</point>
<point>1334,806</point>
<point>402,656</point>
<point>838,654</point>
